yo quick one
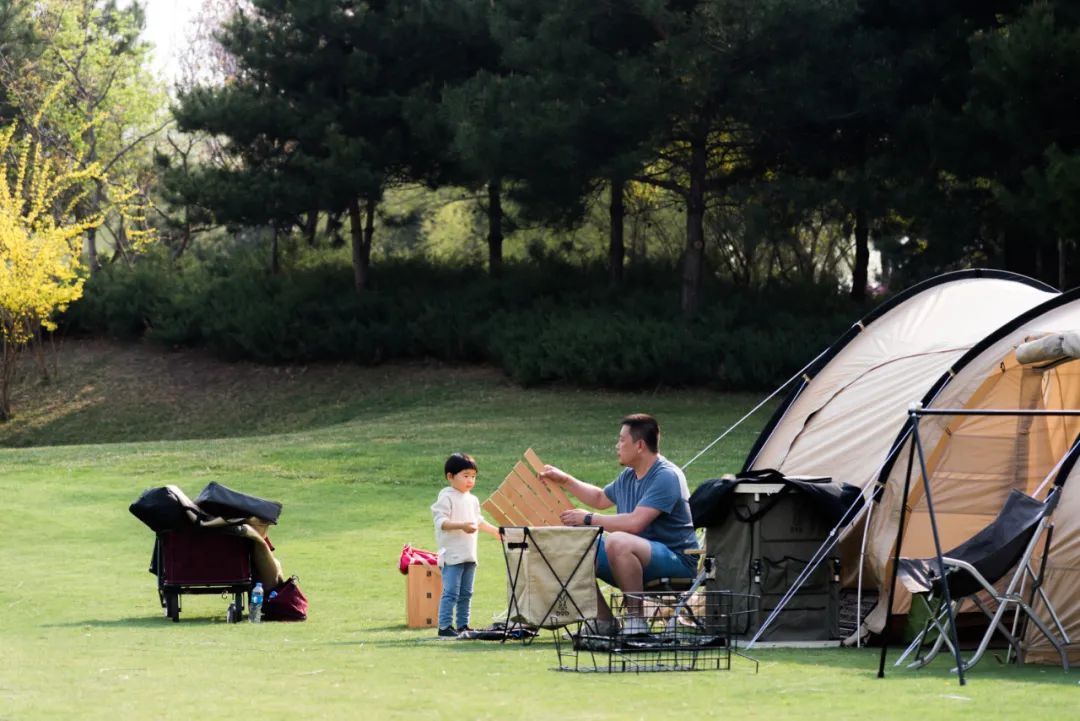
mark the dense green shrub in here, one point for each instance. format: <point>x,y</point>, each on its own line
<point>541,322</point>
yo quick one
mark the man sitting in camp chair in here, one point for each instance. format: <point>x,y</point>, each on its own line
<point>651,532</point>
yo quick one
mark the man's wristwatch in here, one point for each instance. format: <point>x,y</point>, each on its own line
<point>588,519</point>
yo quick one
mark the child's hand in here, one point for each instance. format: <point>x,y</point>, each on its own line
<point>468,527</point>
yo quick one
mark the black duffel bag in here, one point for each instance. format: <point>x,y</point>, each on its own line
<point>219,500</point>
<point>166,509</point>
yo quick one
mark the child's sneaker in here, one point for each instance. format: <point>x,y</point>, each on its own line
<point>447,632</point>
<point>464,629</point>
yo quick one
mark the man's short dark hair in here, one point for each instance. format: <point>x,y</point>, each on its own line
<point>644,427</point>
<point>459,462</point>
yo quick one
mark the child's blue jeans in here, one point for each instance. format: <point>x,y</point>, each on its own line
<point>457,588</point>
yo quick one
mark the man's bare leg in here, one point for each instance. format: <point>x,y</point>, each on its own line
<point>628,555</point>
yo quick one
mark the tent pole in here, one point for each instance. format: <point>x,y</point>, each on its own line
<point>859,583</point>
<point>937,548</point>
<point>896,552</point>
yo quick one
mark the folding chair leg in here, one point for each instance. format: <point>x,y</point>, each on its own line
<point>1046,632</point>
<point>917,643</point>
<point>943,639</point>
<point>995,624</point>
<point>1053,615</point>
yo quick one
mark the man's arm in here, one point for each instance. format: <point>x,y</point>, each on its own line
<point>634,522</point>
<point>587,493</point>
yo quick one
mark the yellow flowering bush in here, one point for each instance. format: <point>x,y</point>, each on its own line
<point>40,245</point>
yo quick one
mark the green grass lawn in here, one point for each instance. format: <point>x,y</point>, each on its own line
<point>82,635</point>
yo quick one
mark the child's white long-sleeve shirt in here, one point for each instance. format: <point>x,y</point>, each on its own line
<point>457,507</point>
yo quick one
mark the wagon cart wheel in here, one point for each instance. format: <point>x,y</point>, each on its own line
<point>236,609</point>
<point>172,605</point>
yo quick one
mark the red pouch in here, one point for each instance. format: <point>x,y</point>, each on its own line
<point>415,557</point>
<point>286,603</point>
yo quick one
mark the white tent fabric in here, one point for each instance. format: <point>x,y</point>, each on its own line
<point>848,415</point>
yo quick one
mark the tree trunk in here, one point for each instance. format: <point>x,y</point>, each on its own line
<point>95,203</point>
<point>91,251</point>
<point>359,256</point>
<point>9,355</point>
<point>694,257</point>
<point>311,225</point>
<point>333,229</point>
<point>275,261</point>
<point>616,244</point>
<point>637,240</point>
<point>38,345</point>
<point>369,235</point>
<point>862,256</point>
<point>495,233</point>
<point>122,245</point>
<point>185,237</point>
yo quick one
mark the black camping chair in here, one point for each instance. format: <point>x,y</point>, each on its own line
<point>971,570</point>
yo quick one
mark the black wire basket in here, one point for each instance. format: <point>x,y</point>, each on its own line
<point>659,631</point>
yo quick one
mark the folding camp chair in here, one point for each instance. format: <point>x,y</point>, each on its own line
<point>971,570</point>
<point>551,575</point>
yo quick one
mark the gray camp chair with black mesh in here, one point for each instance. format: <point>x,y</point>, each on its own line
<point>973,568</point>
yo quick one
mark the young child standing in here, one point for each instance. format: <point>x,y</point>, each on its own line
<point>456,513</point>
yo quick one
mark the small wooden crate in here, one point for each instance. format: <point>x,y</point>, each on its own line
<point>423,588</point>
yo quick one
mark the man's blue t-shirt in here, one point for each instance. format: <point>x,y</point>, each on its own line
<point>664,488</point>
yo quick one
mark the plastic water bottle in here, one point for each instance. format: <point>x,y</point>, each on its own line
<point>256,603</point>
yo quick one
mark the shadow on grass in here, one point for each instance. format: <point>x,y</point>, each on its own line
<point>139,622</point>
<point>866,660</point>
<point>395,636</point>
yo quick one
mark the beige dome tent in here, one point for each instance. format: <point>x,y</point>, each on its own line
<point>847,416</point>
<point>974,461</point>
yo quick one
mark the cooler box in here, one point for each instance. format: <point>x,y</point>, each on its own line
<point>423,588</point>
<point>761,547</point>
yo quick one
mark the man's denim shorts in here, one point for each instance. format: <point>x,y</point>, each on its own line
<point>664,563</point>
